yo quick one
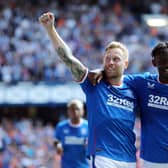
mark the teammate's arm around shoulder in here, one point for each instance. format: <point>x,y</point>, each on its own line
<point>62,49</point>
<point>95,76</point>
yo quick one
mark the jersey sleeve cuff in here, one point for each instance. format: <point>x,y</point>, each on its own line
<point>84,77</point>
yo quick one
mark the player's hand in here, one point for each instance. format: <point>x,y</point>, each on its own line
<point>58,146</point>
<point>47,20</point>
<point>59,149</point>
<point>95,76</point>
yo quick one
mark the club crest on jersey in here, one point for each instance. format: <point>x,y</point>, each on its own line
<point>150,85</point>
<point>83,131</point>
<point>66,131</point>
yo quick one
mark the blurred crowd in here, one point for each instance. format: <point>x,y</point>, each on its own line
<point>28,144</point>
<point>26,53</point>
<point>24,144</point>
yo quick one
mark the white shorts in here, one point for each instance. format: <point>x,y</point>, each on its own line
<point>147,164</point>
<point>103,162</point>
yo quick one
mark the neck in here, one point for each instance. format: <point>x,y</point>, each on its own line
<point>115,80</point>
<point>163,80</point>
<point>75,121</point>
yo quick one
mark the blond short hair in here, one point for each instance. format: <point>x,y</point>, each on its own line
<point>77,102</point>
<point>115,44</point>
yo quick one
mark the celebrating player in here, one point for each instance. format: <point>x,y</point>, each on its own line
<point>152,92</point>
<point>110,104</point>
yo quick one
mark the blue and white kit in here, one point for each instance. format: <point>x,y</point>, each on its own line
<point>111,117</point>
<point>73,139</point>
<point>153,99</point>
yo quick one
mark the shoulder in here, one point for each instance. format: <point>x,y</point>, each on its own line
<point>62,123</point>
<point>87,84</point>
<point>141,76</point>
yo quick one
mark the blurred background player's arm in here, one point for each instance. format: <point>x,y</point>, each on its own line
<point>58,147</point>
<point>77,68</point>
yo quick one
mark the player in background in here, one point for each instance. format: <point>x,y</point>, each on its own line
<point>71,137</point>
<point>110,104</point>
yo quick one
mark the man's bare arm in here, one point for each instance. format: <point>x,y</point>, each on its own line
<point>77,68</point>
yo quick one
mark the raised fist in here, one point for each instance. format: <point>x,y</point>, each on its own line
<point>47,20</point>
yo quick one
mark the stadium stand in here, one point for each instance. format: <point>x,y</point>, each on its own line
<point>26,55</point>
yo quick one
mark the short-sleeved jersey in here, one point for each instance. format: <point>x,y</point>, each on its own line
<point>153,99</point>
<point>111,117</point>
<point>73,139</point>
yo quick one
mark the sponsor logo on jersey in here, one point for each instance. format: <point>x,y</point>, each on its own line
<point>120,102</point>
<point>73,140</point>
<point>156,101</point>
<point>150,85</point>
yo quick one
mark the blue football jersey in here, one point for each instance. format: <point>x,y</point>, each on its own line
<point>153,100</point>
<point>111,117</point>
<point>73,139</point>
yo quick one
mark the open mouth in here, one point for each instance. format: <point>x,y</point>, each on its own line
<point>110,69</point>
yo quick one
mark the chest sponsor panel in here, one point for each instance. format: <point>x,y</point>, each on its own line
<point>156,101</point>
<point>73,140</point>
<point>123,103</point>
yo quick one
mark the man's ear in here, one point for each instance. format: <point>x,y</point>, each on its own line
<point>153,61</point>
<point>126,64</point>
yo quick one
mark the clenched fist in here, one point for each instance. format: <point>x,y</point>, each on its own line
<point>47,20</point>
